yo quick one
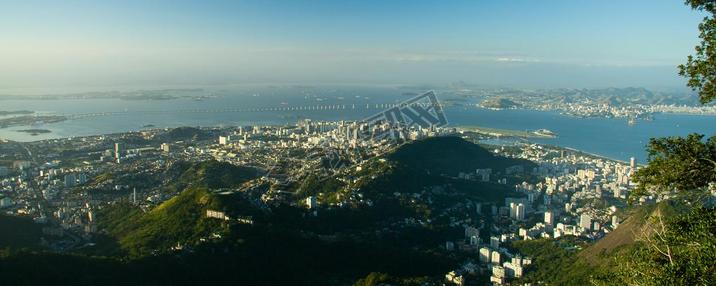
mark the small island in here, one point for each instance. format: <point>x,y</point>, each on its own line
<point>27,120</point>
<point>35,132</point>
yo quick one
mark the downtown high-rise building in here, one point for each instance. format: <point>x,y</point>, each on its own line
<point>585,221</point>
<point>548,218</point>
<point>116,152</point>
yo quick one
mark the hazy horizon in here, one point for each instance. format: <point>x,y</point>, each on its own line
<point>92,45</point>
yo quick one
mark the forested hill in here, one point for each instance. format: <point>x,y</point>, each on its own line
<point>451,155</point>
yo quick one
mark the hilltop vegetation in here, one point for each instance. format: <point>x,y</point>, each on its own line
<point>432,167</point>
<point>418,181</point>
<point>180,220</point>
<point>212,175</point>
<point>450,155</point>
<point>184,134</point>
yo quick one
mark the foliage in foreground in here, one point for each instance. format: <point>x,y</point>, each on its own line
<point>700,68</point>
<point>680,251</point>
<point>679,163</point>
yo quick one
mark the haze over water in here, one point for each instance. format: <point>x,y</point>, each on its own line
<point>613,138</point>
<point>50,48</point>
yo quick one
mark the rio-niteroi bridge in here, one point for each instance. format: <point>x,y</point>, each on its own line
<point>324,107</point>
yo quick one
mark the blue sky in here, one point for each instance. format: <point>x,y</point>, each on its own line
<point>509,43</point>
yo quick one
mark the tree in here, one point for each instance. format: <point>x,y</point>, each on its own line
<point>700,68</point>
<point>679,164</point>
<point>679,250</point>
<point>688,164</point>
<point>676,250</point>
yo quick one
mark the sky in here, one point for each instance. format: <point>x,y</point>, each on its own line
<point>54,44</point>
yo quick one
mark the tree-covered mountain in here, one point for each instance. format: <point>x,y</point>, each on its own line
<point>184,134</point>
<point>418,182</point>
<point>176,222</point>
<point>180,220</point>
<point>450,155</point>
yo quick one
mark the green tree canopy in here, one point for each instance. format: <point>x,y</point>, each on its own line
<point>700,68</point>
<point>679,163</point>
<point>680,250</point>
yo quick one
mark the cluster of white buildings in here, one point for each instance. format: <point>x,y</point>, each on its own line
<point>501,264</point>
<point>560,205</point>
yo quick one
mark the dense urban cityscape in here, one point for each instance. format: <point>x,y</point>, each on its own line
<point>63,183</point>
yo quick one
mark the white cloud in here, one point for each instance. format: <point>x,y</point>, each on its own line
<point>518,60</point>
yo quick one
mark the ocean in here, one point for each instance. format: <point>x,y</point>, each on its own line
<point>612,138</point>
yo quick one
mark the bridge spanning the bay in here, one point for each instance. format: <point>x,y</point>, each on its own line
<point>324,107</point>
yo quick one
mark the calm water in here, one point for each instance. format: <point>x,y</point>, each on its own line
<point>612,138</point>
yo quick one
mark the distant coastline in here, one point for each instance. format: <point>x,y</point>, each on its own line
<point>16,112</point>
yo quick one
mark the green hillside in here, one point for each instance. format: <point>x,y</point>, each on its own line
<point>184,133</point>
<point>638,223</point>
<point>211,174</point>
<point>180,221</point>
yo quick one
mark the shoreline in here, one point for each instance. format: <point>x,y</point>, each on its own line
<point>592,154</point>
<point>504,132</point>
